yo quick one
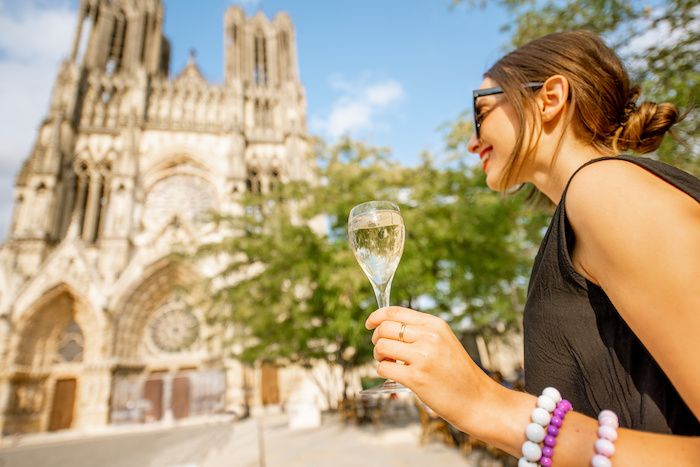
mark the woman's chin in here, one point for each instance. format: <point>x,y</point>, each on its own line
<point>492,181</point>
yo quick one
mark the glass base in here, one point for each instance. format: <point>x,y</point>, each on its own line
<point>388,387</point>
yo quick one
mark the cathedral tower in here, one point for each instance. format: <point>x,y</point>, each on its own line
<point>125,166</point>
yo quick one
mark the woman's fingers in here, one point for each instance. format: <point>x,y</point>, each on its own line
<point>398,314</point>
<point>392,330</point>
<point>392,370</point>
<point>393,350</point>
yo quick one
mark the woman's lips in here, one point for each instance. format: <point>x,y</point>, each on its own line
<point>485,156</point>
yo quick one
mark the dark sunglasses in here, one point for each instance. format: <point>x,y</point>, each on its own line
<point>477,93</point>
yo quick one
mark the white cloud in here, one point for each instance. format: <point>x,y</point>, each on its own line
<point>33,40</point>
<point>383,94</point>
<point>360,106</point>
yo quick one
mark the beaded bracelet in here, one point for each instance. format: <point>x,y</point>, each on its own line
<point>607,434</point>
<point>535,431</point>
<point>555,424</point>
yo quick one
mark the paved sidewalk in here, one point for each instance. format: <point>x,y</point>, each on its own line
<point>226,444</point>
<point>336,445</point>
<point>108,431</point>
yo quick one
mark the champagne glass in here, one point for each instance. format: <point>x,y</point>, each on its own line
<point>376,234</point>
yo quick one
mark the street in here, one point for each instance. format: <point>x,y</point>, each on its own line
<point>237,444</point>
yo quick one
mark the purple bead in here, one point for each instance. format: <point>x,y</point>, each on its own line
<point>555,421</point>
<point>545,461</point>
<point>547,451</point>
<point>552,430</point>
<point>550,441</point>
<point>559,413</point>
<point>565,405</point>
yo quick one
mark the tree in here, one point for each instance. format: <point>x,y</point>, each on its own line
<point>658,43</point>
<point>293,293</point>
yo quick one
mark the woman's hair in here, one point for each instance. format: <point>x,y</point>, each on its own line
<point>603,108</point>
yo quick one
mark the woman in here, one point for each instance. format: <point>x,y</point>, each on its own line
<point>612,318</point>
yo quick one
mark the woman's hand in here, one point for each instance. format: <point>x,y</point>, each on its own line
<point>437,368</point>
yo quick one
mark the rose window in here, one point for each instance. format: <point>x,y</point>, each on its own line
<point>174,329</point>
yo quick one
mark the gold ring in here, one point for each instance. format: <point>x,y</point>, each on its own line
<point>403,329</point>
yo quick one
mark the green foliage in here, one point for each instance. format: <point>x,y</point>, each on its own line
<point>294,294</point>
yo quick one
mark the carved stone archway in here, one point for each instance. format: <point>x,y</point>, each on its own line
<point>159,304</point>
<point>56,378</point>
<point>161,361</point>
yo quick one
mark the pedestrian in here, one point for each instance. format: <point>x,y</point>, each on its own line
<point>612,317</point>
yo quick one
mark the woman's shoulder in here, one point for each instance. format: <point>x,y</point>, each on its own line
<point>617,189</point>
<point>618,209</point>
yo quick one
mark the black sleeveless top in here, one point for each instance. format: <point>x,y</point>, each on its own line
<point>576,341</point>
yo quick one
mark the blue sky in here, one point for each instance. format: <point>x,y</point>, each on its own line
<point>422,56</point>
<point>389,72</point>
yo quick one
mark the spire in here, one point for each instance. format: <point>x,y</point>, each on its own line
<point>191,72</point>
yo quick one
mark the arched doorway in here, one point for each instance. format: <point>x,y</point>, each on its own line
<point>164,365</point>
<point>47,374</point>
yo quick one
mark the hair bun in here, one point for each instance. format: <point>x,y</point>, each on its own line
<point>644,126</point>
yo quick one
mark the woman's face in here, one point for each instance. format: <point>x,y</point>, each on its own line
<point>498,133</point>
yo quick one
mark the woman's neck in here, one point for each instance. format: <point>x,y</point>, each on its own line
<point>551,176</point>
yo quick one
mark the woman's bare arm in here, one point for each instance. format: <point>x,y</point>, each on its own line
<point>639,238</point>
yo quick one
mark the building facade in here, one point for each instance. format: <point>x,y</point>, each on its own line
<point>94,325</point>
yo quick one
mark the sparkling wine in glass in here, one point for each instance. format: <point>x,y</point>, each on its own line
<point>376,234</point>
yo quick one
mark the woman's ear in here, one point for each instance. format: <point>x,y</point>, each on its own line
<point>553,97</point>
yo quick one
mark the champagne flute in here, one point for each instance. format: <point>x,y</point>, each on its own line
<point>376,234</point>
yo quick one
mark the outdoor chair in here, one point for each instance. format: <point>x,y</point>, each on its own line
<point>347,409</point>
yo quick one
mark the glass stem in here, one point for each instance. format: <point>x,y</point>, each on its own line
<point>382,293</point>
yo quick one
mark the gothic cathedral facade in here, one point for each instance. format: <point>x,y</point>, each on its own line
<point>94,326</point>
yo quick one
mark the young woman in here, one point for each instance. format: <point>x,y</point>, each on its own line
<point>612,319</point>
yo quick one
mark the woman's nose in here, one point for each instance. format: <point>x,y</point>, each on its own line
<point>473,144</point>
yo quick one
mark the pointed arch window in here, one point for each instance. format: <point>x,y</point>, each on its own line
<point>253,181</point>
<point>91,199</point>
<point>144,37</point>
<point>117,44</point>
<point>234,35</point>
<point>260,60</point>
<point>263,113</point>
<point>80,195</point>
<point>274,179</point>
<point>102,199</point>
<point>71,344</point>
<point>283,56</point>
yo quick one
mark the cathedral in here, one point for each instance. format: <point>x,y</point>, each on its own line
<point>95,328</point>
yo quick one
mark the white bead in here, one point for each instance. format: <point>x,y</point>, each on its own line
<point>526,463</point>
<point>535,433</point>
<point>546,403</point>
<point>607,432</point>
<point>600,461</point>
<point>552,393</point>
<point>609,421</point>
<point>531,451</point>
<point>606,413</point>
<point>605,447</point>
<point>540,416</point>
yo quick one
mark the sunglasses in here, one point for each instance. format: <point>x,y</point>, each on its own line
<point>477,93</point>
